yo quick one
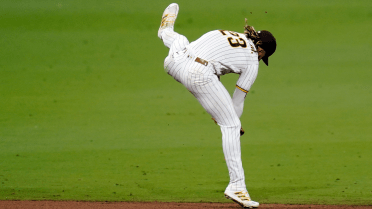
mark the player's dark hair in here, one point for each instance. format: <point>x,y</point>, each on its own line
<point>251,33</point>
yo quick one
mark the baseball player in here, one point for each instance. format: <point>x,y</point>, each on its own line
<point>198,65</point>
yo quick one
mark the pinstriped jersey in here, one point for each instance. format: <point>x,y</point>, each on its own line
<point>229,52</point>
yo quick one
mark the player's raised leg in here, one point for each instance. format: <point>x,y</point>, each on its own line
<point>169,17</point>
<point>174,41</point>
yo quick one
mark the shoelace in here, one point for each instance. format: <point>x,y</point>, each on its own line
<point>243,196</point>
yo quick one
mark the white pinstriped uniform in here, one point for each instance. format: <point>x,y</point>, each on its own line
<point>219,52</point>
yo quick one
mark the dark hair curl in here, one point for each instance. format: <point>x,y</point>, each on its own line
<point>251,33</point>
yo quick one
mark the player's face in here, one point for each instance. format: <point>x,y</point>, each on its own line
<point>261,53</point>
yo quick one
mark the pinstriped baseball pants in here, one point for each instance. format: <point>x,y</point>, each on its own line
<point>202,82</point>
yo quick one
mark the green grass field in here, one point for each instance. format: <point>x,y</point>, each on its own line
<point>87,112</point>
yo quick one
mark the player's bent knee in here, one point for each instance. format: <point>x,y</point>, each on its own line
<point>235,125</point>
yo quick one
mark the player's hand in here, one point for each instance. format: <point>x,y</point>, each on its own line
<point>241,131</point>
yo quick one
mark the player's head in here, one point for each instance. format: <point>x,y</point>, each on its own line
<point>268,43</point>
<point>263,39</point>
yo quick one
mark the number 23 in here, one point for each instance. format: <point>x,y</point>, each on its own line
<point>234,42</point>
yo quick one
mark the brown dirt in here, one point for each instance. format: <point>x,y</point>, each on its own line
<point>152,205</point>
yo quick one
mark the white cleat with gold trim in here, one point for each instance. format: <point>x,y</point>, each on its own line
<point>168,18</point>
<point>242,198</point>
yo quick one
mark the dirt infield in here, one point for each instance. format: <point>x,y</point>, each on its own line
<point>152,205</point>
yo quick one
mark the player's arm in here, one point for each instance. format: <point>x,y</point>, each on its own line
<point>243,85</point>
<point>238,100</point>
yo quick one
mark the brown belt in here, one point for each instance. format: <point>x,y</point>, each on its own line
<point>201,61</point>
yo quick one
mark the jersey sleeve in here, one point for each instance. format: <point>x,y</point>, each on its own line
<point>247,78</point>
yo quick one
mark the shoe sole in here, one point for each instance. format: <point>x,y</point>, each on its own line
<point>241,204</point>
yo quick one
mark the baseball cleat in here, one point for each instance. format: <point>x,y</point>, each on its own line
<point>168,18</point>
<point>242,198</point>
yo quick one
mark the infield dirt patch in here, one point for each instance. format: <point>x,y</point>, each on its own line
<point>151,205</point>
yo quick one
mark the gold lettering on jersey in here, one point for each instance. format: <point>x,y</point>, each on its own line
<point>237,42</point>
<point>223,33</point>
<point>234,42</point>
<point>231,32</point>
<point>242,43</point>
<point>234,33</point>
